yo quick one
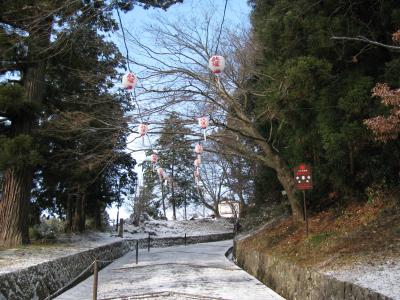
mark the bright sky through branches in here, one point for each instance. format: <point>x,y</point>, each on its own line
<point>237,16</point>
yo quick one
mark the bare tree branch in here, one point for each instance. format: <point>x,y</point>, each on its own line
<point>363,39</point>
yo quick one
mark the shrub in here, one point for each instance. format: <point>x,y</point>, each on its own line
<point>47,229</point>
<point>34,232</point>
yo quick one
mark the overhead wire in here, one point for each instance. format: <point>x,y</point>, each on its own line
<point>133,95</point>
<point>123,36</point>
<point>220,28</point>
<point>128,60</point>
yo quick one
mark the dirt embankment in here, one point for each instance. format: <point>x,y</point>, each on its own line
<point>358,244</point>
<point>358,233</point>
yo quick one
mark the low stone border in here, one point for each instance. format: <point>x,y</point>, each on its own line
<point>40,281</point>
<point>297,283</point>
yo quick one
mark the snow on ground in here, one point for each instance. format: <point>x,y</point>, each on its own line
<point>198,271</point>
<point>179,228</point>
<point>26,256</point>
<point>381,277</point>
<point>23,257</point>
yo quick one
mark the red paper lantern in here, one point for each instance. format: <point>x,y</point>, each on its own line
<point>160,172</point>
<point>129,81</point>
<point>216,63</point>
<point>143,129</point>
<point>197,162</point>
<point>203,123</point>
<point>154,159</point>
<point>198,149</point>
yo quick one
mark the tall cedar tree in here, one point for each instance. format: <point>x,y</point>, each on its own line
<point>83,126</point>
<point>28,38</point>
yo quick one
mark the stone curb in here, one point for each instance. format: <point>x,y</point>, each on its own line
<point>297,283</point>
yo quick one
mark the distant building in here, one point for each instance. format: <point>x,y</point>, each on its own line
<point>229,209</point>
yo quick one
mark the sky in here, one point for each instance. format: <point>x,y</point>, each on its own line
<point>237,15</point>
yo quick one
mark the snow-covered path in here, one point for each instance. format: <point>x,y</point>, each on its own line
<point>199,271</point>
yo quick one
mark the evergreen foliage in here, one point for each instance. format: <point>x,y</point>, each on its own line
<point>59,123</point>
<point>320,91</point>
<point>176,157</point>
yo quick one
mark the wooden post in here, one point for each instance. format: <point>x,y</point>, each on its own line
<point>95,279</point>
<point>137,251</point>
<point>117,223</point>
<point>163,200</point>
<point>305,211</point>
<point>148,244</point>
<point>121,228</point>
<point>185,239</point>
<point>185,207</point>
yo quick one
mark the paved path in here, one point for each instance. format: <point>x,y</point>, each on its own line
<point>199,271</point>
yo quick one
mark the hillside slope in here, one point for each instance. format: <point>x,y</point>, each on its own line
<point>359,243</point>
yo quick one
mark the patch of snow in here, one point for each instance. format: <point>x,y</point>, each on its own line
<point>161,228</point>
<point>381,277</point>
<point>198,271</point>
<point>23,257</point>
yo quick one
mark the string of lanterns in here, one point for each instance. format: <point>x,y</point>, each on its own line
<point>129,81</point>
<point>216,64</point>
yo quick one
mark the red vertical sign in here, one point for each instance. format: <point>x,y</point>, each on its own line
<point>303,177</point>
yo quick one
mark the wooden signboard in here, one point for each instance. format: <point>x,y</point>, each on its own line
<point>303,182</point>
<point>303,177</point>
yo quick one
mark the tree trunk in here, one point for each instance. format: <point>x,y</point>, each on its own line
<point>205,204</point>
<point>136,212</point>
<point>116,227</point>
<point>163,200</point>
<point>14,205</point>
<point>216,211</point>
<point>286,179</point>
<point>79,215</point>
<point>351,158</point>
<point>284,174</point>
<point>173,193</point>
<point>185,204</point>
<point>173,208</point>
<point>68,224</point>
<point>97,216</point>
<point>82,224</point>
<point>243,206</point>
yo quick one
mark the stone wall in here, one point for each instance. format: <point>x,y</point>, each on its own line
<point>42,280</point>
<point>297,283</point>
